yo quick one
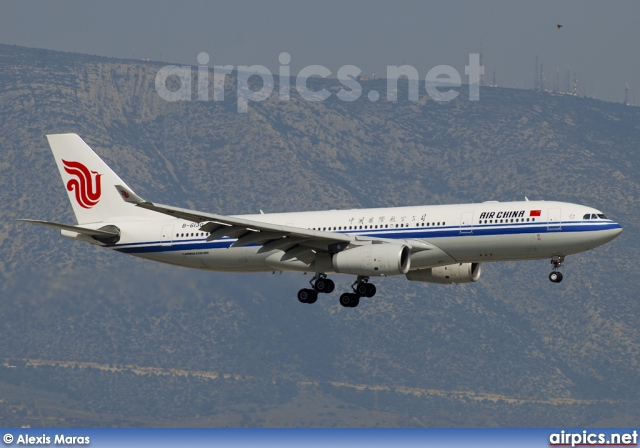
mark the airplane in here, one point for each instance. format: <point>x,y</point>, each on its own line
<point>430,243</point>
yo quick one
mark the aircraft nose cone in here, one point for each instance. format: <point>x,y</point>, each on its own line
<point>617,231</point>
<point>612,233</point>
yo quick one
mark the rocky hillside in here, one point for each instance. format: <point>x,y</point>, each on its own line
<point>106,339</point>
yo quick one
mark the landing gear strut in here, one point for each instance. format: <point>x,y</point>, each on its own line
<point>361,288</point>
<point>556,275</point>
<point>319,284</point>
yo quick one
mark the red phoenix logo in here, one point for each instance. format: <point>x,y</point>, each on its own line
<point>85,186</point>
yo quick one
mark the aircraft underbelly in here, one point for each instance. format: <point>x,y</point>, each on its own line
<point>238,259</point>
<point>529,246</point>
<point>472,247</point>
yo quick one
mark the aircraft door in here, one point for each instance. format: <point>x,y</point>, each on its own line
<point>167,235</point>
<point>466,221</point>
<point>553,220</point>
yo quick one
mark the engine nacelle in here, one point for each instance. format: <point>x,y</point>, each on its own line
<point>453,273</point>
<point>373,260</point>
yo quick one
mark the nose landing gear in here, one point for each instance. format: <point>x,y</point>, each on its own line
<point>556,275</point>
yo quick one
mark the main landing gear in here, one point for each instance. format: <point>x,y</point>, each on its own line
<point>556,275</point>
<point>321,284</point>
<point>361,288</point>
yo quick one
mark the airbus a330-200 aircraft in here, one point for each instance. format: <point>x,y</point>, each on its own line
<point>430,243</point>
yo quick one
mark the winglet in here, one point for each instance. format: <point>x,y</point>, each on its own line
<point>129,196</point>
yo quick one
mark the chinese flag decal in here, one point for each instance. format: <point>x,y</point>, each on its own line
<point>534,213</point>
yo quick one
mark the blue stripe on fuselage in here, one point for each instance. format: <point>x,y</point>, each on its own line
<point>405,233</point>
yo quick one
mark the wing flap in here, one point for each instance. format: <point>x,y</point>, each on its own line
<point>301,253</point>
<point>283,243</point>
<point>256,237</point>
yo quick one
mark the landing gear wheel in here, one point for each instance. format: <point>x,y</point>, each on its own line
<point>349,300</point>
<point>331,287</point>
<point>307,295</point>
<point>361,289</point>
<point>325,285</point>
<point>371,290</point>
<point>555,277</point>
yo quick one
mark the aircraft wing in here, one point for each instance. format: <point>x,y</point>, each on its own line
<point>247,231</point>
<point>296,242</point>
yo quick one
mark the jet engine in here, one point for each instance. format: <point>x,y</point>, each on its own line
<point>453,273</point>
<point>373,260</point>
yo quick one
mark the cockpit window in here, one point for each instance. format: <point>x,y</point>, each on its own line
<point>601,216</point>
<point>587,216</point>
<point>594,216</point>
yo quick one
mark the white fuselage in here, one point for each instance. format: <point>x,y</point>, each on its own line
<point>461,233</point>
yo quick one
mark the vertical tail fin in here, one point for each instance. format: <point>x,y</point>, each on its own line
<point>90,183</point>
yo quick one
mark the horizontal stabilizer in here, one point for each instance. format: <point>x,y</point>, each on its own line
<point>82,230</point>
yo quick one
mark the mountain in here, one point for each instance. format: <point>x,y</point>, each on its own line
<point>94,338</point>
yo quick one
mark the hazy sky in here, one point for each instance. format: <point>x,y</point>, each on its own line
<point>598,40</point>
